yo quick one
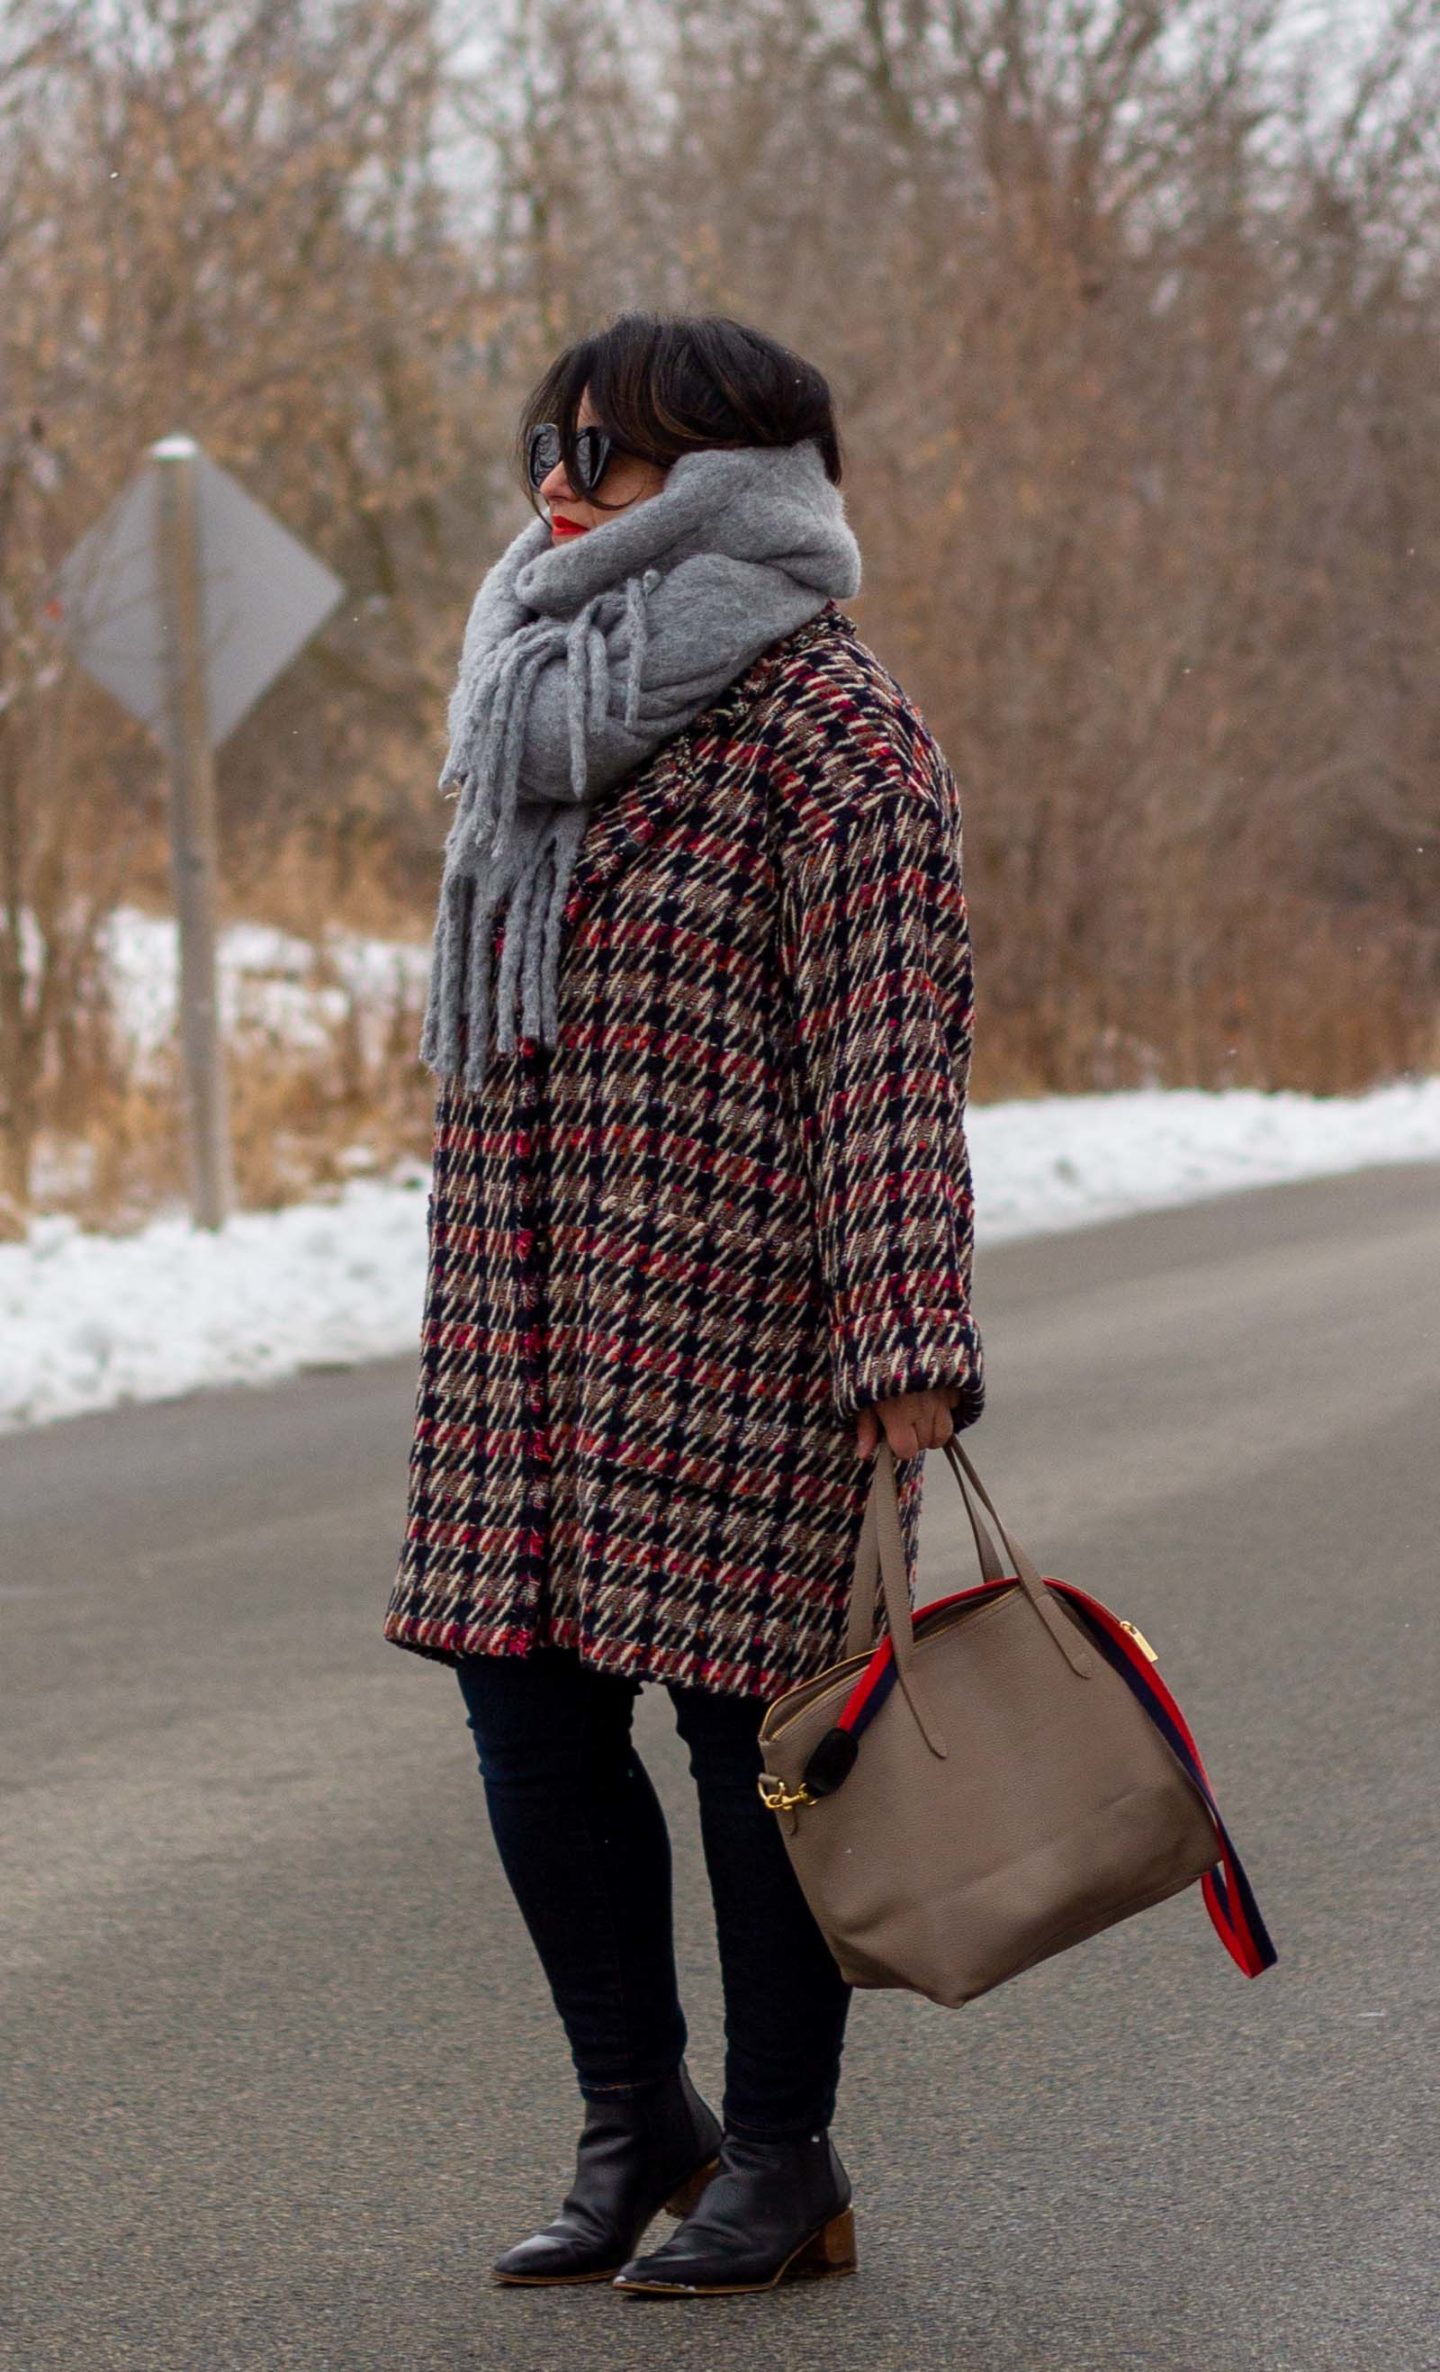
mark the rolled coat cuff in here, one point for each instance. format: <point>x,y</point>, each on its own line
<point>891,1348</point>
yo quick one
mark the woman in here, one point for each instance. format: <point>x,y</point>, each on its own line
<point>701,1224</point>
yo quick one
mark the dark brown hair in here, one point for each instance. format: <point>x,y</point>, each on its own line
<point>668,384</point>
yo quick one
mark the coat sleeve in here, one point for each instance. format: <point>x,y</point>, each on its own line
<point>876,944</point>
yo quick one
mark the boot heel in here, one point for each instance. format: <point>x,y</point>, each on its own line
<point>680,2202</point>
<point>831,2251</point>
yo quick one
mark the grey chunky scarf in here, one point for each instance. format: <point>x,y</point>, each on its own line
<point>580,658</point>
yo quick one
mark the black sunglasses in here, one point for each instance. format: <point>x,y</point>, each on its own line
<point>593,447</point>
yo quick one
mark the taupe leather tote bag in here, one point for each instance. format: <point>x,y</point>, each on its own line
<point>1002,1775</point>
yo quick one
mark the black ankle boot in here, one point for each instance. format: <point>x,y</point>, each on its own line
<point>638,2152</point>
<point>776,2210</point>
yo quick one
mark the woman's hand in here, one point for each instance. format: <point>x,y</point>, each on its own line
<point>913,1421</point>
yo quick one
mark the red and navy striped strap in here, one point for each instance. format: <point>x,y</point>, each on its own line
<point>1233,1910</point>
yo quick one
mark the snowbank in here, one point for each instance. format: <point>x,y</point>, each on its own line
<point>295,991</point>
<point>1065,1161</point>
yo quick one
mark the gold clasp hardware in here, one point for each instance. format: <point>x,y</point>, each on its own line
<point>777,1797</point>
<point>1139,1638</point>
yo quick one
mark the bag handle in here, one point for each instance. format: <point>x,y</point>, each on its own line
<point>882,1547</point>
<point>880,1555</point>
<point>860,1629</point>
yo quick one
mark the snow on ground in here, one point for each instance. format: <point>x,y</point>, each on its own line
<point>270,980</point>
<point>1070,1160</point>
<point>87,1321</point>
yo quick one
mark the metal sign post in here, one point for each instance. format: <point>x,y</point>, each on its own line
<point>186,600</point>
<point>193,844</point>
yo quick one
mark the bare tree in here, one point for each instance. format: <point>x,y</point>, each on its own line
<point>230,222</point>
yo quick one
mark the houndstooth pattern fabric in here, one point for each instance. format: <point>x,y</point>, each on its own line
<point>671,1256</point>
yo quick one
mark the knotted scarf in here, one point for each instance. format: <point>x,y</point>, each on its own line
<point>580,658</point>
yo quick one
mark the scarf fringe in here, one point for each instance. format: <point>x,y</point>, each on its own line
<point>485,759</point>
<point>516,914</point>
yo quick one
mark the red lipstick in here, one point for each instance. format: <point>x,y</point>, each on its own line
<point>567,527</point>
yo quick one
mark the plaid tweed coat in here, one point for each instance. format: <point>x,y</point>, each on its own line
<point>671,1256</point>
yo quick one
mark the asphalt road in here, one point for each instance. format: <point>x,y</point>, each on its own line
<point>280,2076</point>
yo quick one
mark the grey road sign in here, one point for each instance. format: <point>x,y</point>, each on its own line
<point>185,600</point>
<point>262,595</point>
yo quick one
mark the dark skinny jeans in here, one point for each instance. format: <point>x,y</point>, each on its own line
<point>583,1842</point>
